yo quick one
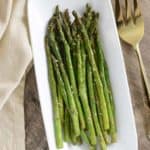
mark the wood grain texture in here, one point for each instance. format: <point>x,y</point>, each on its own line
<point>35,134</point>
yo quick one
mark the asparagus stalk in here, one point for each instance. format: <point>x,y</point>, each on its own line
<point>68,89</point>
<point>85,137</point>
<point>73,48</point>
<point>93,107</point>
<point>110,105</point>
<point>101,63</point>
<point>83,95</point>
<point>74,62</point>
<point>61,87</point>
<point>60,104</point>
<point>113,130</point>
<point>71,74</point>
<point>84,61</point>
<point>57,121</point>
<point>109,85</point>
<point>104,132</point>
<point>72,135</point>
<point>67,127</point>
<point>97,79</point>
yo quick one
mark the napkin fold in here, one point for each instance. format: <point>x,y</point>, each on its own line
<point>15,57</point>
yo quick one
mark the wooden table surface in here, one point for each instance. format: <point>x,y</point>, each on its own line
<point>35,134</point>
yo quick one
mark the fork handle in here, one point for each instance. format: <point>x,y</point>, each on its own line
<point>144,74</point>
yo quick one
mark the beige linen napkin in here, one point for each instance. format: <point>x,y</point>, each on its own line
<point>15,56</point>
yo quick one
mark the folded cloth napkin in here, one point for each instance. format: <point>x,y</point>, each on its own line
<point>15,57</point>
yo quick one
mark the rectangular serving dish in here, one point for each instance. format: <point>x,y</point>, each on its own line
<point>39,12</point>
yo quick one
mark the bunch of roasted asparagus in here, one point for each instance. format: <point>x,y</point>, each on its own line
<point>79,79</point>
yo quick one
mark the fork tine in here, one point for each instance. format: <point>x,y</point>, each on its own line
<point>137,11</point>
<point>128,15</point>
<point>118,12</point>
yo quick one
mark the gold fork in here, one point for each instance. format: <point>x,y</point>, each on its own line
<point>131,31</point>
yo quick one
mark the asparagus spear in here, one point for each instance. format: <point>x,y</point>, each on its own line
<point>113,130</point>
<point>57,121</point>
<point>109,100</point>
<point>99,131</point>
<point>83,95</point>
<point>70,30</point>
<point>90,87</point>
<point>101,63</point>
<point>71,74</point>
<point>93,107</point>
<point>97,79</point>
<point>99,56</point>
<point>71,102</point>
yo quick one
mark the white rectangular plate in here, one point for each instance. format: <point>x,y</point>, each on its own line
<point>39,12</point>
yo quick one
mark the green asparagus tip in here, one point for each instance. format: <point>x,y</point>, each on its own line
<point>66,12</point>
<point>88,7</point>
<point>57,10</point>
<point>77,20</point>
<point>74,13</point>
<point>61,14</point>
